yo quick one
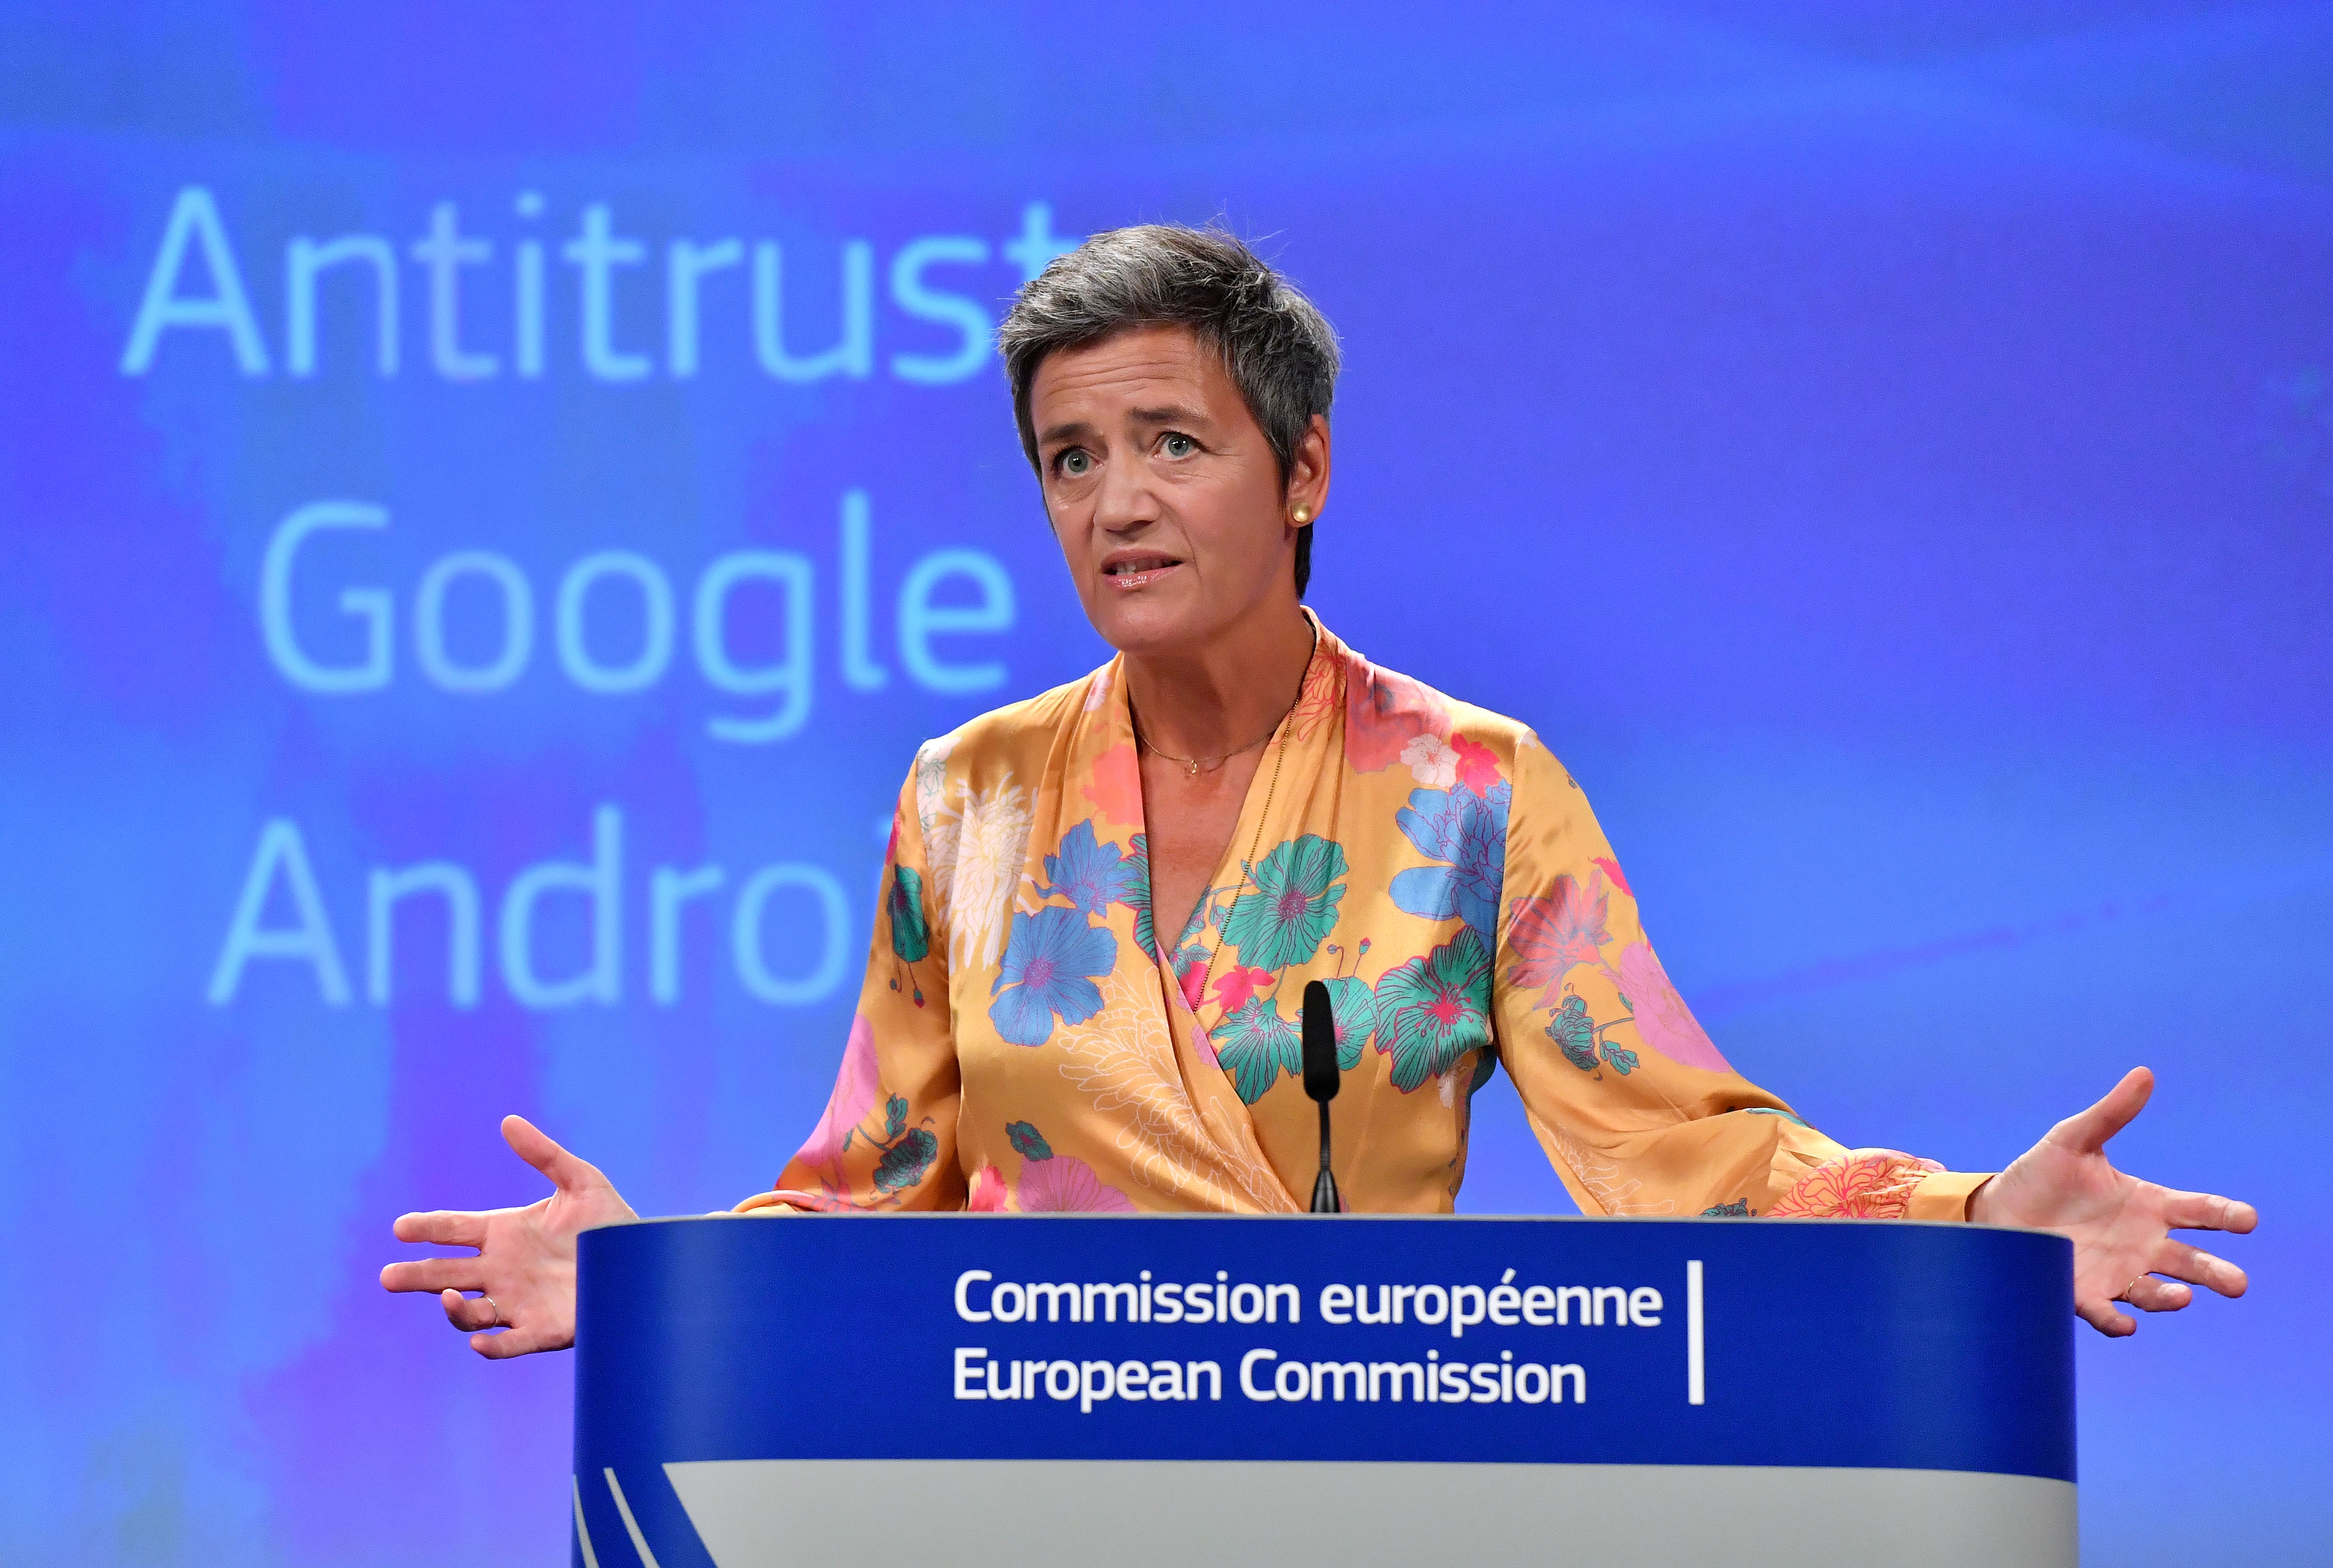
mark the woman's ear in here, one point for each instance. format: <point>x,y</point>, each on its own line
<point>1308,473</point>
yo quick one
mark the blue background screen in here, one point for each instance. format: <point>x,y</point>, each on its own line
<point>472,474</point>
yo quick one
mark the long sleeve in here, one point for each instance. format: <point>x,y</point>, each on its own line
<point>1632,1101</point>
<point>888,1138</point>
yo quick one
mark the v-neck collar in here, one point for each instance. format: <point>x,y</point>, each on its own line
<point>1234,866</point>
<point>1113,783</point>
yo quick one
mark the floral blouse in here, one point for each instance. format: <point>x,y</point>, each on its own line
<point>1028,1040</point>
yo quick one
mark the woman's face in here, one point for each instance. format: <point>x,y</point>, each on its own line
<point>1163,491</point>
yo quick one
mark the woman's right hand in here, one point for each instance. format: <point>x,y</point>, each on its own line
<point>523,1265</point>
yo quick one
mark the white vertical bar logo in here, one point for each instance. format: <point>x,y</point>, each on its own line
<point>582,1530</point>
<point>1692,1389</point>
<point>631,1526</point>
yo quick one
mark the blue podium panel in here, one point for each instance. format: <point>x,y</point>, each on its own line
<point>1024,1391</point>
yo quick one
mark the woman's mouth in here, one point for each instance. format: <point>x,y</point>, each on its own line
<point>1132,572</point>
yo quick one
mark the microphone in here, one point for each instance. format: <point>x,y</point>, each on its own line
<point>1320,1080</point>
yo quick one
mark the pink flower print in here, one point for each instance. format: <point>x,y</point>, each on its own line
<point>1204,1044</point>
<point>1663,1020</point>
<point>1611,868</point>
<point>1320,695</point>
<point>1066,1185</point>
<point>1237,985</point>
<point>855,1088</point>
<point>1116,791</point>
<point>1478,766</point>
<point>1862,1184</point>
<point>1552,934</point>
<point>988,1191</point>
<point>1193,977</point>
<point>1384,712</point>
<point>1431,762</point>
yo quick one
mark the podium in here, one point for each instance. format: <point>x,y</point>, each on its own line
<point>969,1389</point>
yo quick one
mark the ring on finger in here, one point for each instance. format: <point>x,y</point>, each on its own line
<point>493,1308</point>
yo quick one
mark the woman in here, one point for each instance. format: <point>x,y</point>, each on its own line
<point>1100,906</point>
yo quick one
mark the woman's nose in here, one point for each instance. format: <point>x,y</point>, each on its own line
<point>1125,499</point>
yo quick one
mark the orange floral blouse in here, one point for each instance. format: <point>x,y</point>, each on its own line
<point>1027,1040</point>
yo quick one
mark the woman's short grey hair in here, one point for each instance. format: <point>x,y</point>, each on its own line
<point>1280,351</point>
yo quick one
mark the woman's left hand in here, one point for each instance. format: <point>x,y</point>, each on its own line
<point>2120,1225</point>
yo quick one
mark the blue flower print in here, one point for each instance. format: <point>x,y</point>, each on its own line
<point>1298,887</point>
<point>903,1164</point>
<point>1434,1009</point>
<point>1355,1009</point>
<point>1468,833</point>
<point>1575,1031</point>
<point>1255,1045</point>
<point>1582,1040</point>
<point>911,937</point>
<point>1136,896</point>
<point>1051,963</point>
<point>1089,873</point>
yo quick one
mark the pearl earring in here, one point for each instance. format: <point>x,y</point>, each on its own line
<point>1303,515</point>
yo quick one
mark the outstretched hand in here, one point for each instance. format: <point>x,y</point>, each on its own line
<point>2120,1225</point>
<point>524,1262</point>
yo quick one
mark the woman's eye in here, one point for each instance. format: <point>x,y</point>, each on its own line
<point>1075,462</point>
<point>1177,445</point>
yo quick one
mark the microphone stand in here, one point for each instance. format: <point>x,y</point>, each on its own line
<point>1321,1078</point>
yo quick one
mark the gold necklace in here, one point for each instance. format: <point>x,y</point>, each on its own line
<point>1193,765</point>
<point>1264,815</point>
<point>1255,842</point>
<point>1209,764</point>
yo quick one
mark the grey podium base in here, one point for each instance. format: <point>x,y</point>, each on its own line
<point>1033,1514</point>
